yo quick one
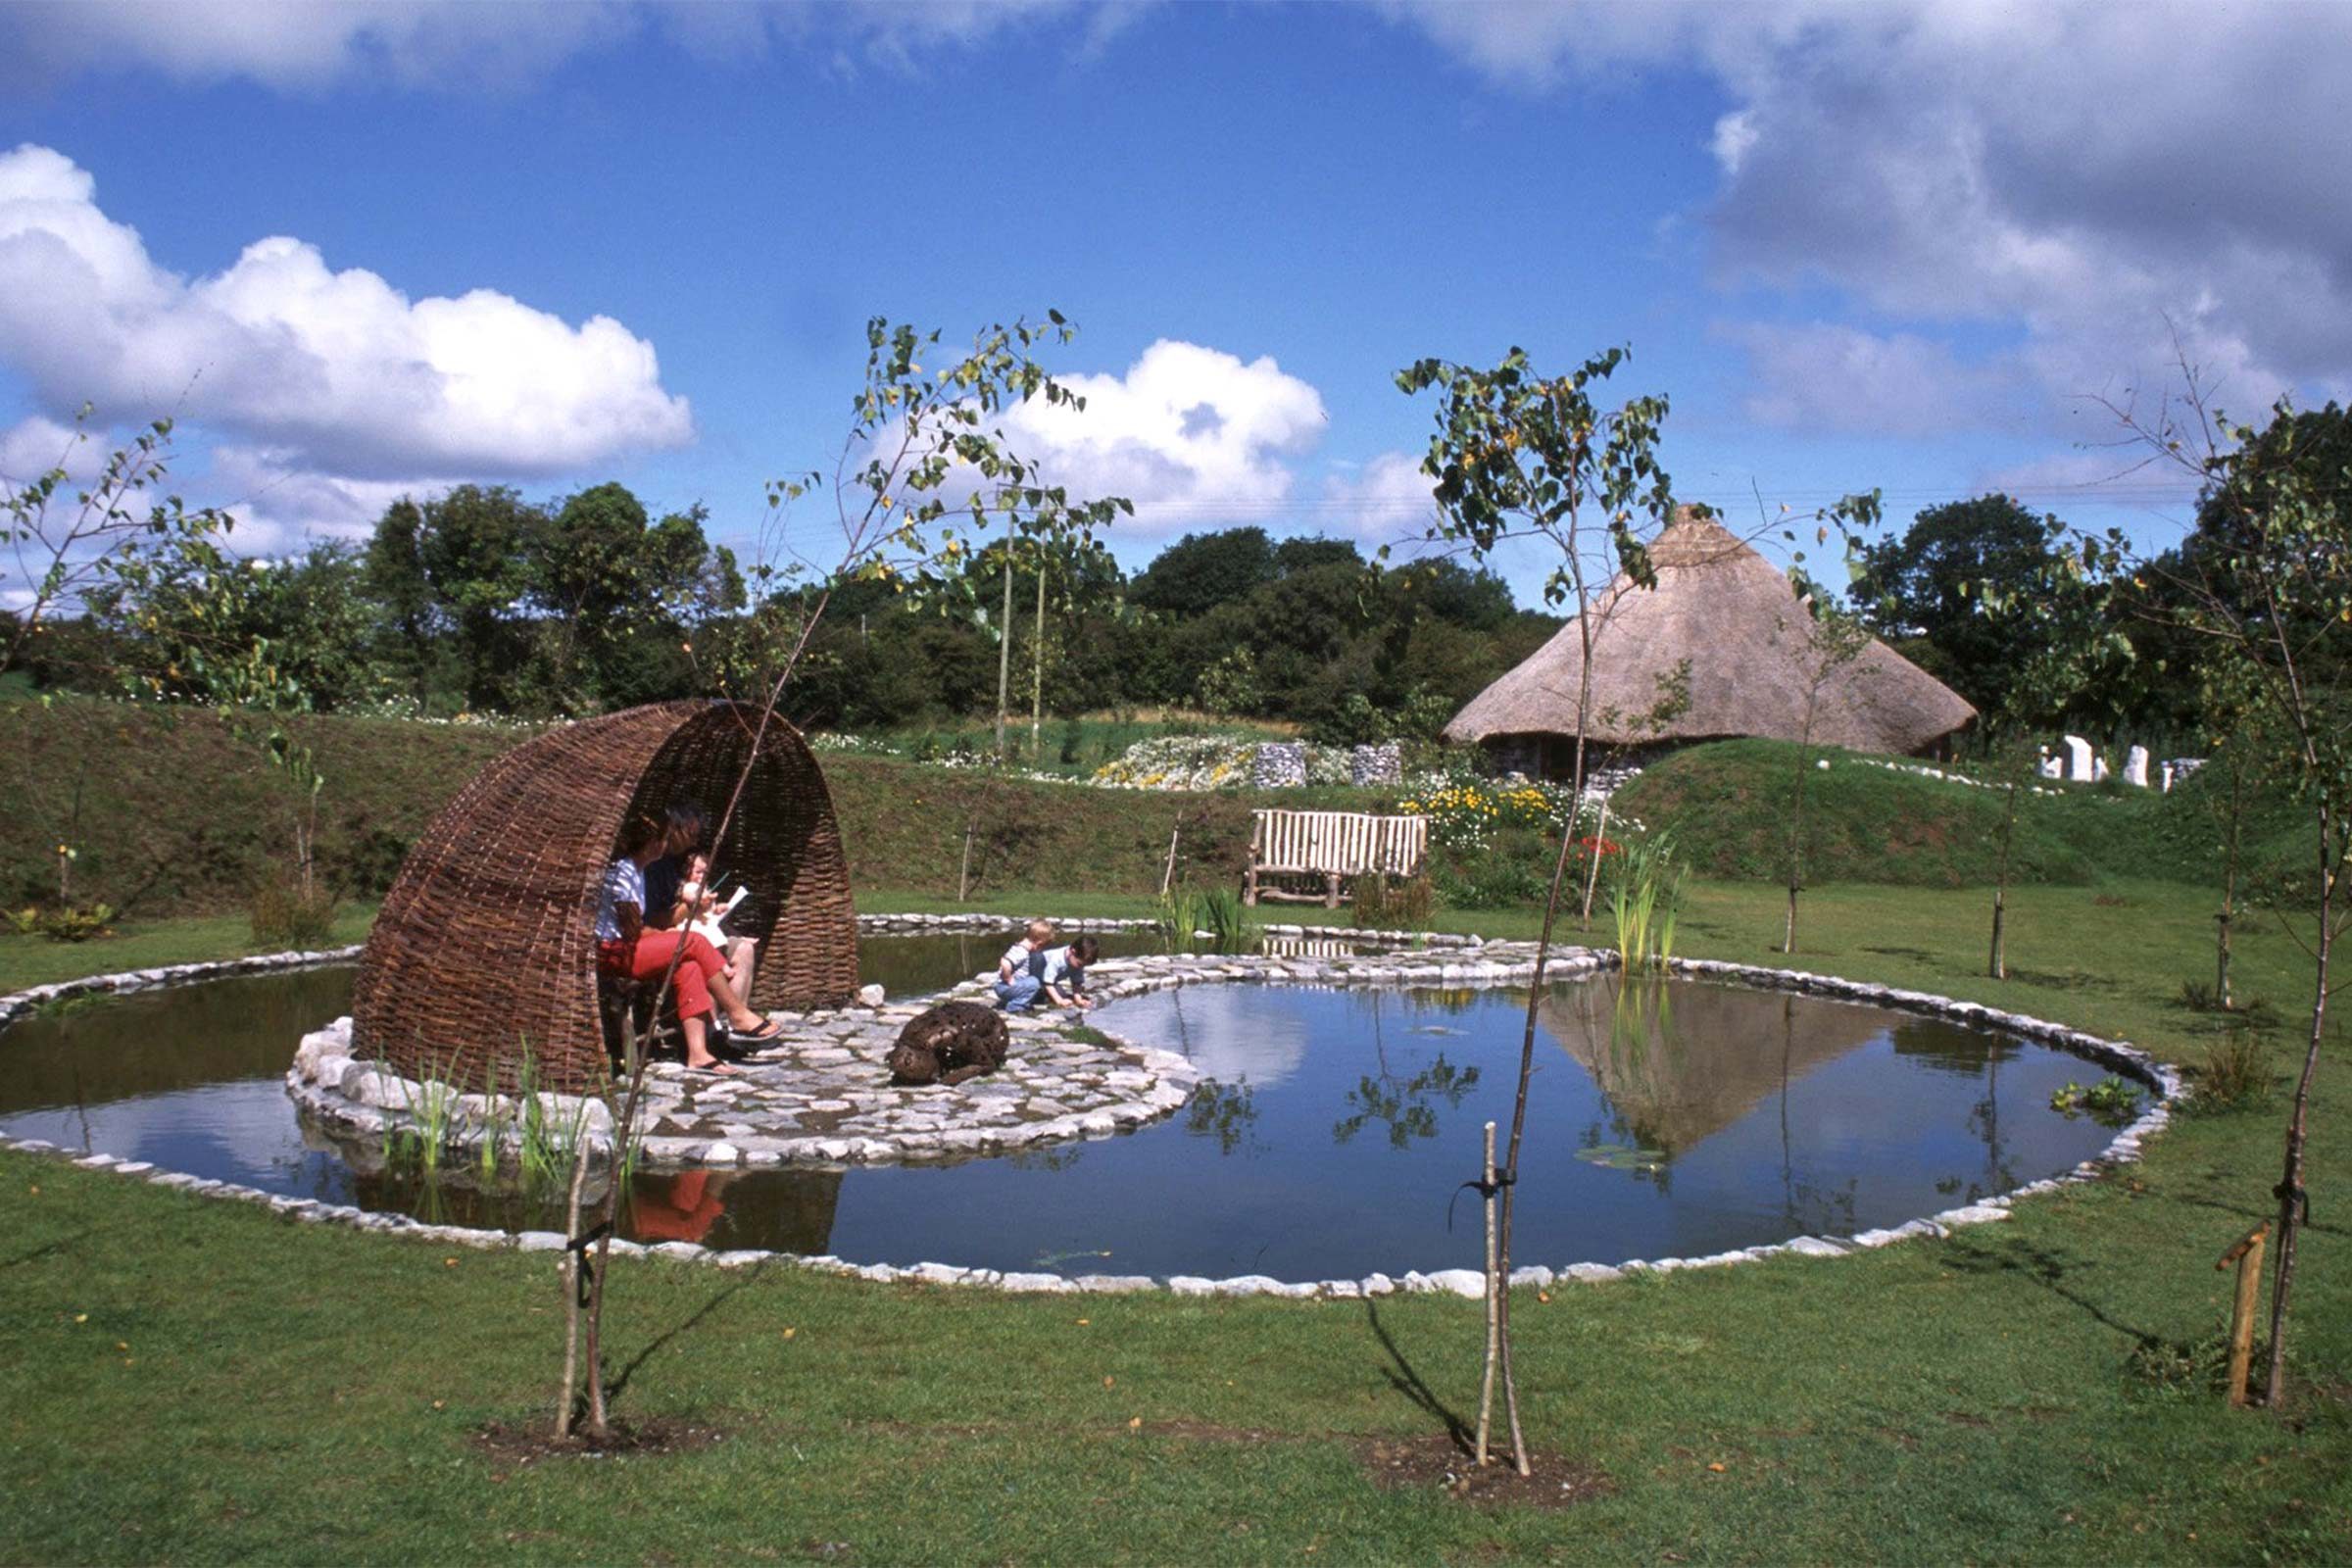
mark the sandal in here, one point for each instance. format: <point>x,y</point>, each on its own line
<point>769,1029</point>
<point>715,1067</point>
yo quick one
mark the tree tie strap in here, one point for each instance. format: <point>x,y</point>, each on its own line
<point>1482,1187</point>
<point>2299,1194</point>
<point>580,1246</point>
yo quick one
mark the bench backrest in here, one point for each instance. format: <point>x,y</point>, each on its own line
<point>1348,842</point>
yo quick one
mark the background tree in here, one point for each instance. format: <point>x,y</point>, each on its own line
<point>1924,593</point>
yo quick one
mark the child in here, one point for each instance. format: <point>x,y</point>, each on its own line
<point>1062,981</point>
<point>1016,983</point>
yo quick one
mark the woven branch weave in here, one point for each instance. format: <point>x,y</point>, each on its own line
<point>484,952</point>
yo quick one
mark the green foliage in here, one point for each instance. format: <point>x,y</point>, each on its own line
<point>2234,1075</point>
<point>1391,904</point>
<point>288,915</point>
<point>2111,1101</point>
<point>1928,592</point>
<point>1233,926</point>
<point>1643,884</point>
<point>69,922</point>
<point>1176,919</point>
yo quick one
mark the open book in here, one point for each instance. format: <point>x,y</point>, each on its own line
<point>712,926</point>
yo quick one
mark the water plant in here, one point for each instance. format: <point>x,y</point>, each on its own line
<point>1232,925</point>
<point>1645,898</point>
<point>1176,919</point>
<point>2109,1102</point>
<point>432,1104</point>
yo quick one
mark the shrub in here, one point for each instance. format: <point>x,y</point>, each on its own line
<point>2235,1074</point>
<point>1385,904</point>
<point>1511,869</point>
<point>284,915</point>
<point>72,922</point>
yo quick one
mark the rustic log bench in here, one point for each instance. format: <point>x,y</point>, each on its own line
<point>1330,847</point>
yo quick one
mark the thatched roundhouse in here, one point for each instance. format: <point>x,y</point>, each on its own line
<point>1735,618</point>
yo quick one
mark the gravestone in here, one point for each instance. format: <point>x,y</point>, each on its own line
<point>2051,766</point>
<point>2077,760</point>
<point>2135,766</point>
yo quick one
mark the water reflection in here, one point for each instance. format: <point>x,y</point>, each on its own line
<point>1225,1030</point>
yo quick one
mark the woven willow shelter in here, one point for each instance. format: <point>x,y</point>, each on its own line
<point>485,950</point>
<point>1733,616</point>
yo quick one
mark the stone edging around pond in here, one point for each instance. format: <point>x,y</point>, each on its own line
<point>1496,961</point>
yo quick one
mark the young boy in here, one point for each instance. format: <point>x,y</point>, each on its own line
<point>1019,973</point>
<point>1062,982</point>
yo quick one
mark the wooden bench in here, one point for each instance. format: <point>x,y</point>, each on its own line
<point>1330,847</point>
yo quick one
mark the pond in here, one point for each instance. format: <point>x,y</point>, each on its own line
<point>1676,1118</point>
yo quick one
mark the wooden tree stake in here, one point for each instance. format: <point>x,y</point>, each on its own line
<point>2247,1256</point>
<point>1486,1387</point>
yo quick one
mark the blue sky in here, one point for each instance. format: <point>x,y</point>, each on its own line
<point>1857,246</point>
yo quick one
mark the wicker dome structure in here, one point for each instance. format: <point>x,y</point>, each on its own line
<point>484,952</point>
<point>1733,616</point>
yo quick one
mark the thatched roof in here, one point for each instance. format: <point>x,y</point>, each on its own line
<point>1735,616</point>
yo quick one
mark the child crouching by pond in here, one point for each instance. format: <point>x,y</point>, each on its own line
<point>1057,975</point>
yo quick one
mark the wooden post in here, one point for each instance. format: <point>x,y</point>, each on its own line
<point>963,877</point>
<point>1167,877</point>
<point>1331,890</point>
<point>1485,1385</point>
<point>2247,1256</point>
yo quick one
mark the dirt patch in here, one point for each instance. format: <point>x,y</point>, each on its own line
<point>514,1444</point>
<point>1437,1463</point>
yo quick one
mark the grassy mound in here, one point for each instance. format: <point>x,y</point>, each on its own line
<point>170,813</point>
<point>1729,805</point>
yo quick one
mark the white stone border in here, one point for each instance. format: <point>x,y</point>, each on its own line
<point>1493,962</point>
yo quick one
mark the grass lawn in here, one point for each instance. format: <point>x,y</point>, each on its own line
<point>191,1381</point>
<point>151,943</point>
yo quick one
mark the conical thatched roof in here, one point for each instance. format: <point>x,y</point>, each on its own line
<point>1735,616</point>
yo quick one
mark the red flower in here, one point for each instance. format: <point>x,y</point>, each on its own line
<point>1591,845</point>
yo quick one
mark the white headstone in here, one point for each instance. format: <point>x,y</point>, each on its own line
<point>2078,759</point>
<point>2135,766</point>
<point>2051,766</point>
<point>2168,778</point>
<point>2098,771</point>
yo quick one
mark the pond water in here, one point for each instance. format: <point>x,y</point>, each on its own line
<point>1680,1118</point>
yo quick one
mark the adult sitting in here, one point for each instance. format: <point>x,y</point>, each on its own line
<point>678,894</point>
<point>626,946</point>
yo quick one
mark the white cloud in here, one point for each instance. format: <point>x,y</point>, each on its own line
<point>471,45</point>
<point>1388,501</point>
<point>1193,436</point>
<point>34,444</point>
<point>335,371</point>
<point>280,507</point>
<point>2093,177</point>
<point>1825,376</point>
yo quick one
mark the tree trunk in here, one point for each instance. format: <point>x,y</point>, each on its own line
<point>572,1259</point>
<point>2290,1184</point>
<point>1037,664</point>
<point>2222,921</point>
<point>1005,647</point>
<point>1601,834</point>
<point>1998,967</point>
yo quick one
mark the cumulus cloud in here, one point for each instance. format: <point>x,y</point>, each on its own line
<point>1823,375</point>
<point>1193,436</point>
<point>334,370</point>
<point>280,507</point>
<point>2099,177</point>
<point>33,446</point>
<point>470,45</point>
<point>1388,501</point>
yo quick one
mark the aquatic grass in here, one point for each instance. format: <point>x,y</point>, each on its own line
<point>1176,919</point>
<point>1233,926</point>
<point>432,1111</point>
